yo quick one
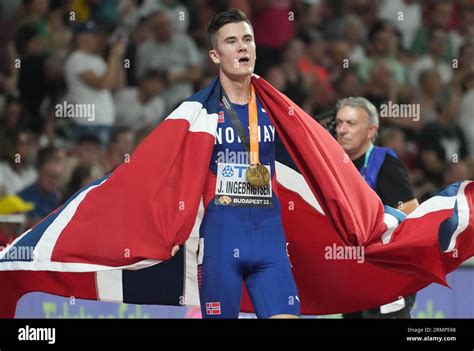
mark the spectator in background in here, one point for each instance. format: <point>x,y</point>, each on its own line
<point>32,82</point>
<point>9,8</point>
<point>34,12</point>
<point>12,218</point>
<point>409,23</point>
<point>465,30</point>
<point>45,193</point>
<point>339,52</point>
<point>366,10</point>
<point>433,59</point>
<point>440,18</point>
<point>16,165</point>
<point>309,18</point>
<point>105,12</point>
<point>288,77</point>
<point>81,176</point>
<point>121,146</point>
<point>442,142</point>
<point>174,54</point>
<point>453,173</point>
<point>8,55</point>
<point>141,107</point>
<point>347,84</point>
<point>12,118</point>
<point>315,64</point>
<point>395,139</point>
<point>381,87</point>
<point>383,44</point>
<point>90,81</point>
<point>60,36</point>
<point>87,153</point>
<point>353,35</point>
<point>465,64</point>
<point>430,88</point>
<point>269,37</point>
<point>177,12</point>
<point>466,118</point>
<point>140,34</point>
<point>82,10</point>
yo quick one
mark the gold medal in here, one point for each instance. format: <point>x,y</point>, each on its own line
<point>257,175</point>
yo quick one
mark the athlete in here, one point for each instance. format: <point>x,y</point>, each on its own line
<point>241,235</point>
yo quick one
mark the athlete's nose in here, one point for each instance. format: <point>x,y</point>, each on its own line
<point>242,46</point>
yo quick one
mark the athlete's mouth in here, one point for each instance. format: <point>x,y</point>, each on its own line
<point>244,60</point>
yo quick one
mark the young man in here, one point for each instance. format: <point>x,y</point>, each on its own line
<point>244,240</point>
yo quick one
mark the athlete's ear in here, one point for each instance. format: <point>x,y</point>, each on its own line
<point>214,56</point>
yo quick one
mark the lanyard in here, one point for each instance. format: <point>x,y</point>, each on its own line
<point>363,170</point>
<point>252,145</point>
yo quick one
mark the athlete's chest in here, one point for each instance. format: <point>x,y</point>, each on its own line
<point>227,135</point>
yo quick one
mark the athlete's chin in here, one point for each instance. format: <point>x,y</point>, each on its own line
<point>244,71</point>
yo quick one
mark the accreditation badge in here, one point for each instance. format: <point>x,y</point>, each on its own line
<point>233,189</point>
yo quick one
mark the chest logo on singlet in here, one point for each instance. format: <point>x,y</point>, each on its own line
<point>228,135</point>
<point>232,188</point>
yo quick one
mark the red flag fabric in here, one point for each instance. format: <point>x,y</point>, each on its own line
<point>348,251</point>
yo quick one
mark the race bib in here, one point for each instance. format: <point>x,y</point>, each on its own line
<point>232,188</point>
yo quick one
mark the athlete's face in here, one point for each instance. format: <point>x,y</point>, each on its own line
<point>354,133</point>
<point>234,50</point>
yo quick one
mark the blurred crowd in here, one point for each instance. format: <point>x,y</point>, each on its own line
<point>130,62</point>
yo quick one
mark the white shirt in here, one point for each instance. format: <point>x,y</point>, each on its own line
<point>133,114</point>
<point>14,182</point>
<point>426,62</point>
<point>78,92</point>
<point>178,13</point>
<point>409,24</point>
<point>175,56</point>
<point>357,55</point>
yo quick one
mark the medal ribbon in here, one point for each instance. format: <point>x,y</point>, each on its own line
<point>253,124</point>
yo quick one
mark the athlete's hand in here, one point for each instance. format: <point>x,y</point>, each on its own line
<point>174,250</point>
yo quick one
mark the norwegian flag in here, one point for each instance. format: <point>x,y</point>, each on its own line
<point>112,240</point>
<point>213,308</point>
<point>221,117</point>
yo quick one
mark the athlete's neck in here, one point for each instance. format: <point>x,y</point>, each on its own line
<point>236,90</point>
